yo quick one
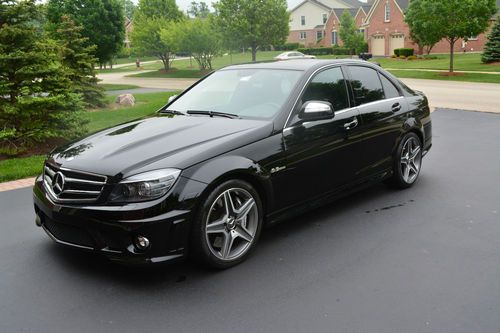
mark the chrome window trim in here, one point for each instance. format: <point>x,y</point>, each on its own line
<point>305,85</point>
<point>380,101</point>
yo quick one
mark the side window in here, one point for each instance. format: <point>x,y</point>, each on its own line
<point>390,90</point>
<point>366,85</point>
<point>329,86</point>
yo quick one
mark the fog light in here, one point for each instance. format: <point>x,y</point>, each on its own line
<point>38,220</point>
<point>141,243</point>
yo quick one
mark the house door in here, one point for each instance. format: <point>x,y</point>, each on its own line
<point>396,42</point>
<point>378,45</point>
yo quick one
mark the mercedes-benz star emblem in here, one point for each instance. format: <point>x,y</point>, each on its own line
<point>58,183</point>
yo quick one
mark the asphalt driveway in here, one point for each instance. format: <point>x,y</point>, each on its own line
<point>425,259</point>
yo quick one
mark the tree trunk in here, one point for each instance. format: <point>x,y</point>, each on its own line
<point>254,52</point>
<point>452,46</point>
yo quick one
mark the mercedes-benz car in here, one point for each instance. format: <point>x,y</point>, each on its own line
<point>293,55</point>
<point>244,147</point>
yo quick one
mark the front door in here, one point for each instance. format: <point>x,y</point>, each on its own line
<point>319,156</point>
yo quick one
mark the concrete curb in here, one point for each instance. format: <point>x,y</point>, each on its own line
<point>15,184</point>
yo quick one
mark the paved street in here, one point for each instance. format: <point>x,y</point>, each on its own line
<point>442,94</point>
<point>420,260</point>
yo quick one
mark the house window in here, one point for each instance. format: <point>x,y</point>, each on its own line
<point>387,17</point>
<point>335,38</point>
<point>303,35</point>
<point>472,38</point>
<point>303,20</point>
<point>325,18</point>
<point>319,35</point>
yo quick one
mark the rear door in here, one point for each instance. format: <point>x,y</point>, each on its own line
<point>319,158</point>
<point>381,106</point>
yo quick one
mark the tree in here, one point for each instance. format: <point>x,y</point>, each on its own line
<point>450,19</point>
<point>198,38</point>
<point>165,9</point>
<point>103,23</point>
<point>422,32</point>
<point>37,101</point>
<point>492,48</point>
<point>198,9</point>
<point>78,62</point>
<point>351,37</point>
<point>150,18</point>
<point>254,23</point>
<point>129,8</point>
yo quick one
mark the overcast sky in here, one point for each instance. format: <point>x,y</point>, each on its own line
<point>184,4</point>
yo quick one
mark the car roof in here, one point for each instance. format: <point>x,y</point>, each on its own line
<point>297,64</point>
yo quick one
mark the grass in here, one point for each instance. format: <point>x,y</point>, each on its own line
<point>186,69</point>
<point>18,168</point>
<point>462,62</point>
<point>466,77</point>
<point>129,60</point>
<point>112,87</point>
<point>146,104</point>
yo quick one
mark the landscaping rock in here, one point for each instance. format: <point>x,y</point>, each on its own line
<point>125,100</point>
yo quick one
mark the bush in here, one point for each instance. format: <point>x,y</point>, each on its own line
<point>324,50</point>
<point>413,57</point>
<point>404,52</point>
<point>394,56</point>
<point>402,57</point>
<point>340,50</point>
<point>288,47</point>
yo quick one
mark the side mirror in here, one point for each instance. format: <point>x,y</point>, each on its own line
<point>316,110</point>
<point>172,98</point>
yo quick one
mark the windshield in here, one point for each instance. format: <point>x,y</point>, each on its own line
<point>252,93</point>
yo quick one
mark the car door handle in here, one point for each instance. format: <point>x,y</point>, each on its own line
<point>351,125</point>
<point>396,107</point>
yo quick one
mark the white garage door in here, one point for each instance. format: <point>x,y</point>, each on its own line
<point>396,42</point>
<point>378,45</point>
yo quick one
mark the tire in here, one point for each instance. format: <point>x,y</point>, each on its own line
<point>227,225</point>
<point>407,162</point>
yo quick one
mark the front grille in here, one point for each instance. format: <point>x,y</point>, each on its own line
<point>65,185</point>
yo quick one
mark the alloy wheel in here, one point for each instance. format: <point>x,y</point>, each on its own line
<point>411,159</point>
<point>231,224</point>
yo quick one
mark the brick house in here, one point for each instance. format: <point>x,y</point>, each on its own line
<point>386,30</point>
<point>315,23</point>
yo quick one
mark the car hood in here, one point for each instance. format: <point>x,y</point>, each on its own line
<point>166,140</point>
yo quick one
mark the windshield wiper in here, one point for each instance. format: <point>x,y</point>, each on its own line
<point>214,113</point>
<point>172,112</point>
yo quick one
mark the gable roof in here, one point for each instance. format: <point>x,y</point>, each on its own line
<point>340,11</point>
<point>403,4</point>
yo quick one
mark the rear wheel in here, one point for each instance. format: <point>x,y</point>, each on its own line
<point>228,225</point>
<point>407,162</point>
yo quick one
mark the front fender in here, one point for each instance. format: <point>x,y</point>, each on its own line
<point>223,168</point>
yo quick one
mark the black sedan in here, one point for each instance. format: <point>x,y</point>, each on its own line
<point>246,146</point>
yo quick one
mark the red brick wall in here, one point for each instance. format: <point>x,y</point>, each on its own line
<point>397,25</point>
<point>310,41</point>
<point>377,26</point>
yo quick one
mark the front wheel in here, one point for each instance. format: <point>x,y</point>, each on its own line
<point>407,162</point>
<point>228,225</point>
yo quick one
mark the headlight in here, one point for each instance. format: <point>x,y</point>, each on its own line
<point>144,186</point>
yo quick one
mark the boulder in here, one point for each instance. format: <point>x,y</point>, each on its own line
<point>125,100</point>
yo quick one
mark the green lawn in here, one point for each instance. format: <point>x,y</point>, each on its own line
<point>112,87</point>
<point>186,69</point>
<point>146,104</point>
<point>18,168</point>
<point>467,77</point>
<point>463,62</point>
<point>131,59</point>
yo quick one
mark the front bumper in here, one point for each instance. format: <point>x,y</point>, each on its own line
<point>110,230</point>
